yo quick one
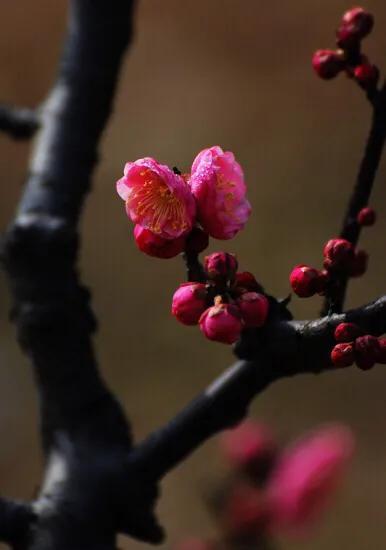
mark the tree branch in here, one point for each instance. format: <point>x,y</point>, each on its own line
<point>283,348</point>
<point>361,194</point>
<point>15,521</point>
<point>86,436</point>
<point>17,122</point>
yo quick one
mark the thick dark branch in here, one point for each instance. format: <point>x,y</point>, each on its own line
<point>361,193</point>
<point>15,521</point>
<point>87,490</point>
<point>17,122</point>
<point>283,349</point>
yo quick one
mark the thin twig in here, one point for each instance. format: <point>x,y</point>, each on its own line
<point>360,196</point>
<point>18,122</point>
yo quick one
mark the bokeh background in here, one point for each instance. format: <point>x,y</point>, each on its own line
<point>234,73</point>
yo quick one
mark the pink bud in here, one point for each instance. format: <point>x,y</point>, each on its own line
<point>366,75</point>
<point>197,240</point>
<point>347,332</point>
<point>381,358</point>
<point>307,476</point>
<point>246,281</point>
<point>303,280</point>
<point>222,323</point>
<point>338,254</point>
<point>221,266</point>
<point>342,355</point>
<point>189,302</point>
<point>254,309</point>
<point>359,263</point>
<point>327,63</point>
<point>156,246</point>
<point>366,351</point>
<point>367,216</point>
<point>248,446</point>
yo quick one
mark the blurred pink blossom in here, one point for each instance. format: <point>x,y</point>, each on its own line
<point>307,476</point>
<point>157,198</point>
<point>245,513</point>
<point>217,182</point>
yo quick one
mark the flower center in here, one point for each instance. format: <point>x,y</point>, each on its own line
<point>154,201</point>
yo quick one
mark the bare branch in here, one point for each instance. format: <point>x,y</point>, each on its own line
<point>361,193</point>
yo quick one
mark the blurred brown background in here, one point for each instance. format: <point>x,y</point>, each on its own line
<point>201,72</point>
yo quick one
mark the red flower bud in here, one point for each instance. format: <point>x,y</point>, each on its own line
<point>156,246</point>
<point>327,63</point>
<point>303,280</point>
<point>247,281</point>
<point>254,309</point>
<point>197,240</point>
<point>221,266</point>
<point>366,351</point>
<point>358,23</point>
<point>367,216</point>
<point>381,358</point>
<point>347,332</point>
<point>189,303</point>
<point>366,75</point>
<point>342,355</point>
<point>221,322</point>
<point>358,266</point>
<point>345,38</point>
<point>338,254</point>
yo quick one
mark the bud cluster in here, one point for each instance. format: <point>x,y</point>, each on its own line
<point>356,24</point>
<point>340,257</point>
<point>225,303</point>
<point>355,347</point>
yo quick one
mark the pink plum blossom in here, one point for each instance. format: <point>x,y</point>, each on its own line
<point>306,476</point>
<point>157,198</point>
<point>217,182</point>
